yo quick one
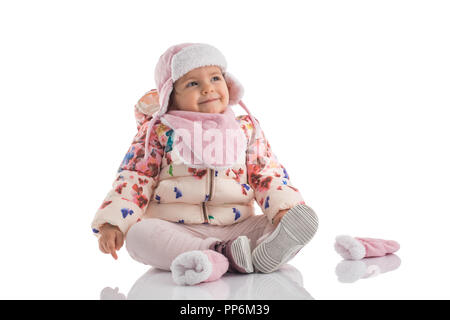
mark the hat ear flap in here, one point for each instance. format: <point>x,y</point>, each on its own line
<point>236,90</point>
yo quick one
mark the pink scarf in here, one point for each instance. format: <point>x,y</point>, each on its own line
<point>212,140</point>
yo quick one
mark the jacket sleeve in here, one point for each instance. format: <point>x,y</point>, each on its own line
<point>133,186</point>
<point>269,179</point>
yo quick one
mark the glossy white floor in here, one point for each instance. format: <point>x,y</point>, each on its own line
<point>60,269</point>
<point>286,284</point>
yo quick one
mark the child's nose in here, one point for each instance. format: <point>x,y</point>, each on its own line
<point>207,89</point>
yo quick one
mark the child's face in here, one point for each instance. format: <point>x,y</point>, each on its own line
<point>194,90</point>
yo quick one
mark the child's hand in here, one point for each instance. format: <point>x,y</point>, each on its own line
<point>111,239</point>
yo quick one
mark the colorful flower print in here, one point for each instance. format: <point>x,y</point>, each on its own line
<point>138,197</point>
<point>128,157</point>
<point>238,174</point>
<point>126,212</point>
<point>152,153</point>
<point>197,173</point>
<point>266,204</point>
<point>168,158</point>
<point>245,187</point>
<point>171,170</point>
<point>142,181</point>
<point>178,193</point>
<point>237,214</point>
<point>137,189</point>
<point>147,168</point>
<point>161,129</point>
<point>169,144</point>
<point>260,184</point>
<point>120,187</point>
<point>285,174</point>
<point>105,204</point>
<point>265,183</point>
<point>210,217</point>
<point>140,200</point>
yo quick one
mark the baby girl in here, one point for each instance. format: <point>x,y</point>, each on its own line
<point>184,193</point>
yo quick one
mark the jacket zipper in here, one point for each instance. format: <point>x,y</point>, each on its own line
<point>211,181</point>
<point>211,175</point>
<point>205,218</point>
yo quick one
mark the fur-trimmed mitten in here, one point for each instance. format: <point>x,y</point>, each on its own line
<point>197,266</point>
<point>351,248</point>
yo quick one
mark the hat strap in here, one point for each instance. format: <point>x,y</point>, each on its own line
<point>258,131</point>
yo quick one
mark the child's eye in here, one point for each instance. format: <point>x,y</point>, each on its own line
<point>192,83</point>
<point>216,78</point>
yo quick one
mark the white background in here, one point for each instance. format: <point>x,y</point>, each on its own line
<point>352,95</point>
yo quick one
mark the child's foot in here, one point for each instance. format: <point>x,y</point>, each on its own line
<point>238,253</point>
<point>295,230</point>
<point>196,266</point>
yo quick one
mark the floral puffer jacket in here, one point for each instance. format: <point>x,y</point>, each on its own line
<point>164,187</point>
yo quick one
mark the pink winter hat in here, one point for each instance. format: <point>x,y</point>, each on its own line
<point>182,58</point>
<point>178,60</point>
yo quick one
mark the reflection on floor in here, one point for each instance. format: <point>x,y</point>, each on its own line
<point>349,271</point>
<point>284,284</point>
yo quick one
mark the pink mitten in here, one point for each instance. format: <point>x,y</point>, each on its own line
<point>358,248</point>
<point>196,266</point>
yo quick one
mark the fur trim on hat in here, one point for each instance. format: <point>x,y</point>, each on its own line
<point>196,56</point>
